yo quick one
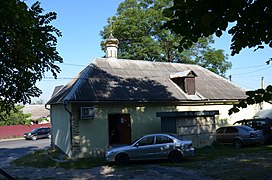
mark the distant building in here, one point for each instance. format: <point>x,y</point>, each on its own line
<point>39,114</point>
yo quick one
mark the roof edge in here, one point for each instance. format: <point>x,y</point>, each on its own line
<point>185,103</point>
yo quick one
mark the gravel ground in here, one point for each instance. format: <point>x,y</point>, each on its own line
<point>106,172</point>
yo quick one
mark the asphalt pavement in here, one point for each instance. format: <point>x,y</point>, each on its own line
<point>14,148</point>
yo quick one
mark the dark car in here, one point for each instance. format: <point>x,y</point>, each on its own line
<point>38,133</point>
<point>151,147</point>
<point>264,124</point>
<point>239,136</point>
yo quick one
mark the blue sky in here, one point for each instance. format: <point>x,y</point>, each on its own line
<point>81,21</point>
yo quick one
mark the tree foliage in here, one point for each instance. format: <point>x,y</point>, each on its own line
<point>15,117</point>
<point>201,18</point>
<point>251,28</point>
<point>27,51</point>
<point>254,97</point>
<point>138,27</point>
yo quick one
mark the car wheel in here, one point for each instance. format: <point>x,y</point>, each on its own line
<point>175,156</point>
<point>34,138</point>
<point>122,159</point>
<point>237,143</point>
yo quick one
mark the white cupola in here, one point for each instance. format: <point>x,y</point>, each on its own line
<point>111,47</point>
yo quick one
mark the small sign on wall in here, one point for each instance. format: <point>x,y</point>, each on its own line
<point>87,113</point>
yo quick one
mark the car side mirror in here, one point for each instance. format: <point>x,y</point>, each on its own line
<point>136,145</point>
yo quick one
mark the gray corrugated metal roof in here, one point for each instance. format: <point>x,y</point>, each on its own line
<point>56,90</point>
<point>135,80</point>
<point>36,111</point>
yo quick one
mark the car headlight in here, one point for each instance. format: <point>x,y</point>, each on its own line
<point>108,153</point>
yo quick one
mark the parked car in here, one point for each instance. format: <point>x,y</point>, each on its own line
<point>264,124</point>
<point>239,136</point>
<point>38,133</point>
<point>151,147</point>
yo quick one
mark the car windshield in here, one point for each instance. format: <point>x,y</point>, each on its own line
<point>134,141</point>
<point>247,128</point>
<point>35,130</point>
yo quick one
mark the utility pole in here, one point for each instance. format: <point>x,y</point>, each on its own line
<point>262,82</point>
<point>262,86</point>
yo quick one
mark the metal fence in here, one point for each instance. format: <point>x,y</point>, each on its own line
<point>7,132</point>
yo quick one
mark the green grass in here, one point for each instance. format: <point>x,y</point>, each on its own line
<point>36,159</point>
<point>226,162</point>
<point>41,159</point>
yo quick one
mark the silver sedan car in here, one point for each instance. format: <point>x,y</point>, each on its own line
<point>151,147</point>
<point>239,136</point>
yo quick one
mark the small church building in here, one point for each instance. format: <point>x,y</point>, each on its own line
<point>115,101</point>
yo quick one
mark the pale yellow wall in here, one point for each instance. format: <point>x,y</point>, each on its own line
<point>60,127</point>
<point>94,132</point>
<point>224,118</point>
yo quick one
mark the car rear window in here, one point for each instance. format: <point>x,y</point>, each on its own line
<point>176,136</point>
<point>231,130</point>
<point>163,139</point>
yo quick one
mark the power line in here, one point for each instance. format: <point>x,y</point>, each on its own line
<point>252,71</point>
<point>248,67</point>
<point>59,78</point>
<point>69,64</point>
<point>256,75</point>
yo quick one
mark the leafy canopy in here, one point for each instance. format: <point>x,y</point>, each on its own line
<point>27,50</point>
<point>15,117</point>
<point>201,18</point>
<point>138,27</point>
<point>252,28</point>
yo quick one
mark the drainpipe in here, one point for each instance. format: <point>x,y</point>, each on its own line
<point>71,129</point>
<point>45,106</point>
<point>51,143</point>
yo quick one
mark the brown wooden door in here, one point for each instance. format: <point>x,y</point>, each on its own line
<point>125,129</point>
<point>119,128</point>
